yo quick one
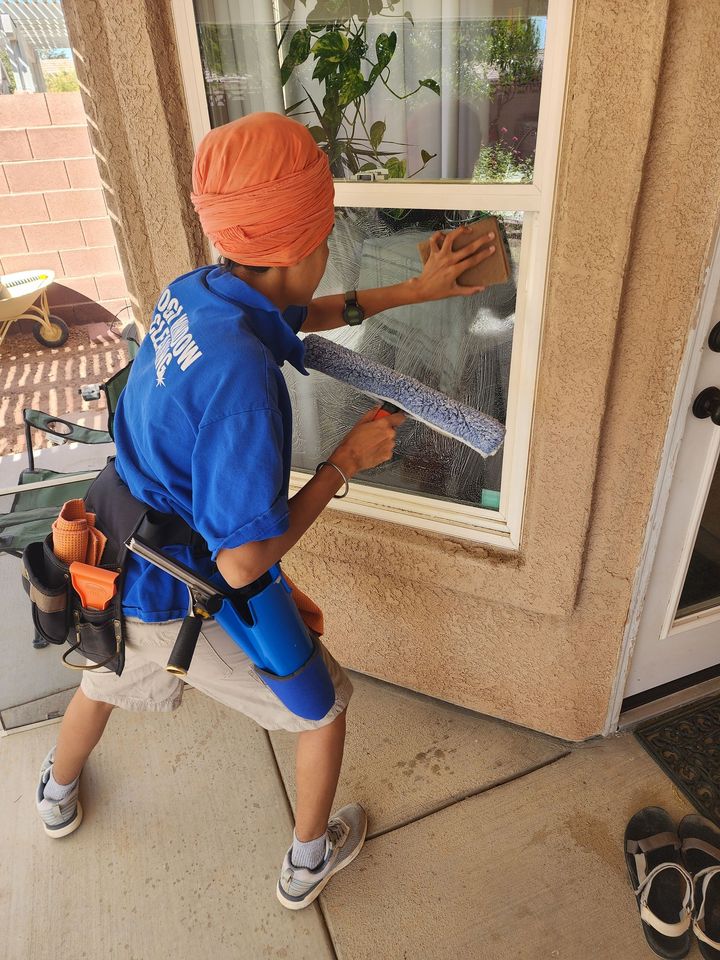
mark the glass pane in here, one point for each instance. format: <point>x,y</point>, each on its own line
<point>702,583</point>
<point>461,346</point>
<point>388,88</point>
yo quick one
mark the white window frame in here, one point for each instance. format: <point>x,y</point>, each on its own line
<point>501,528</point>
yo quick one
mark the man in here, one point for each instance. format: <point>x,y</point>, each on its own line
<point>203,430</point>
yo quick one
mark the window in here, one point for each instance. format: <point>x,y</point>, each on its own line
<point>432,114</point>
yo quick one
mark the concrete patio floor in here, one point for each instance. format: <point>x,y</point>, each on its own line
<point>486,841</point>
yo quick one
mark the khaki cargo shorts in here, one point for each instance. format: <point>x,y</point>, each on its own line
<point>219,668</point>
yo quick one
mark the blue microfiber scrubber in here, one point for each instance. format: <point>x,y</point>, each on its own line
<point>475,429</point>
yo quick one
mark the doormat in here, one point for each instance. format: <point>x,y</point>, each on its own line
<point>686,744</point>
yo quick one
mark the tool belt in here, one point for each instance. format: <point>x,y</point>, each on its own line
<point>60,613</point>
<point>86,611</point>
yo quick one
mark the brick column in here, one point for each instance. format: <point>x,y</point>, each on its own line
<point>132,90</point>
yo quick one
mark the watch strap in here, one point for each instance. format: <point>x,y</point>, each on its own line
<point>352,308</point>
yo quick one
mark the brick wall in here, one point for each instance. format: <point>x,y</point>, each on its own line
<point>52,208</point>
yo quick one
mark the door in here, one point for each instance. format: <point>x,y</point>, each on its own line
<point>679,629</point>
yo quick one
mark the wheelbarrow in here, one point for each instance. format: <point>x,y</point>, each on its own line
<point>18,293</point>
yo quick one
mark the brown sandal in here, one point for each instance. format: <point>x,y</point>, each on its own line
<point>662,886</point>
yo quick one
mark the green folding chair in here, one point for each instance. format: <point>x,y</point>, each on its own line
<point>71,432</point>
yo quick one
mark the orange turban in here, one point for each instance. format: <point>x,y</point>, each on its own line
<point>263,190</point>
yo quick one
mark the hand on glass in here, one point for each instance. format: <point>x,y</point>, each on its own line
<point>438,279</point>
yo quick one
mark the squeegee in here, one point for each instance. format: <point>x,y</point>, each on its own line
<point>475,429</point>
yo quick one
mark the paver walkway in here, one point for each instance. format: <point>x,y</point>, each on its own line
<point>35,376</point>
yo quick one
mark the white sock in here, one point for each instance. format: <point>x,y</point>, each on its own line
<point>308,854</point>
<point>57,791</point>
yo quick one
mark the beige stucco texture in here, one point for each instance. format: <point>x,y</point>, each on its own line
<point>126,63</point>
<point>532,637</point>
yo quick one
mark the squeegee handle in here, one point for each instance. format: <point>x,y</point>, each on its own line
<point>182,653</point>
<point>386,410</point>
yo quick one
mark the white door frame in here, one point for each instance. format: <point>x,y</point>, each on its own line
<point>684,396</point>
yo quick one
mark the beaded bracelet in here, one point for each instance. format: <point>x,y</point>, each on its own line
<point>329,463</point>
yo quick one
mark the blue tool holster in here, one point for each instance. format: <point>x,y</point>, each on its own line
<point>263,620</point>
<point>287,657</point>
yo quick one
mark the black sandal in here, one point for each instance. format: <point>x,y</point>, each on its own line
<point>662,886</point>
<point>701,852</point>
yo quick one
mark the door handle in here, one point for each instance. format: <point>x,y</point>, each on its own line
<point>707,404</point>
<point>714,338</point>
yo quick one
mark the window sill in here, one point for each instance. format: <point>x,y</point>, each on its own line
<point>459,521</point>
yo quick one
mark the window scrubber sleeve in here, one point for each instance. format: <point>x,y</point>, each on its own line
<point>475,429</point>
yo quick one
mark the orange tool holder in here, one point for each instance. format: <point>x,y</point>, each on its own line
<point>95,587</point>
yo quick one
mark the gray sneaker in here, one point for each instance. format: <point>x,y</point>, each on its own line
<point>299,886</point>
<point>59,817</point>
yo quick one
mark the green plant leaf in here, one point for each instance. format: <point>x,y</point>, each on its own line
<point>286,69</point>
<point>318,114</point>
<point>333,45</point>
<point>426,157</point>
<point>300,46</point>
<point>374,74</point>
<point>294,106</point>
<point>324,68</point>
<point>377,132</point>
<point>385,48</point>
<point>298,52</point>
<point>335,151</point>
<point>396,168</point>
<point>409,17</point>
<point>376,6</point>
<point>372,153</point>
<point>318,134</point>
<point>352,86</point>
<point>350,157</point>
<point>331,119</point>
<point>367,166</point>
<point>431,85</point>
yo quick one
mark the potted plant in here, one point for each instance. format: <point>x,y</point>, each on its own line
<point>335,36</point>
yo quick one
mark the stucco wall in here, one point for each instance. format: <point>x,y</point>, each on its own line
<point>125,62</point>
<point>533,638</point>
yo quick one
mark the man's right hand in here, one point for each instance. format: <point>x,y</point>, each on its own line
<point>369,443</point>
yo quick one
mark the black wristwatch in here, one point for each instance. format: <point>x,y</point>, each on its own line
<point>353,313</point>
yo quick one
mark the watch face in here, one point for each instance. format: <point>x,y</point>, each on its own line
<point>354,314</point>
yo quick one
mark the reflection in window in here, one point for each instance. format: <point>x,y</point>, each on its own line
<point>35,54</point>
<point>461,346</point>
<point>388,87</point>
<point>701,590</point>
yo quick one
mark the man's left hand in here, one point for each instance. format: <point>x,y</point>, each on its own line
<point>439,277</point>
